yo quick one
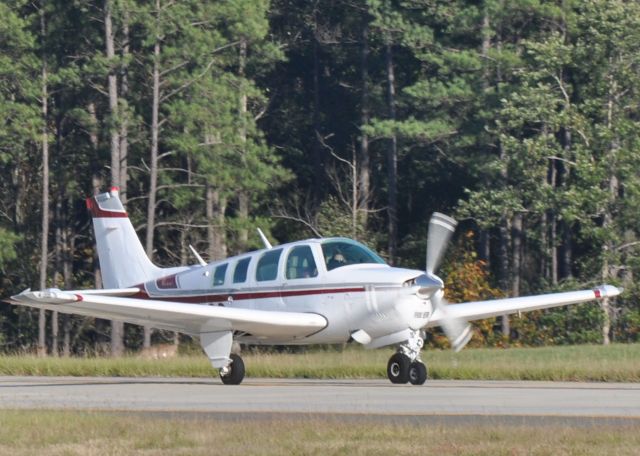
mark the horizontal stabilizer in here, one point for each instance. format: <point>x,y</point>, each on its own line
<point>57,296</point>
<point>49,296</point>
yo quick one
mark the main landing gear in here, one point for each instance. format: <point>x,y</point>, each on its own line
<point>233,374</point>
<point>219,345</point>
<point>405,365</point>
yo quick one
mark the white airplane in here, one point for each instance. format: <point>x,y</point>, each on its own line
<point>317,291</point>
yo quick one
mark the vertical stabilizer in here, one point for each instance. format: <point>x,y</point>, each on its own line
<point>123,261</point>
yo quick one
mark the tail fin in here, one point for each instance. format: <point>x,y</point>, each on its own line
<point>123,261</point>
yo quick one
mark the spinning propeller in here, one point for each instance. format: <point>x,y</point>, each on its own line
<point>441,229</point>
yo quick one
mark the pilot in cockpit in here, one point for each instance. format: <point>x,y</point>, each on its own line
<point>336,260</point>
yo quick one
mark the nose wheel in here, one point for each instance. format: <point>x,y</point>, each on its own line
<point>405,366</point>
<point>398,368</point>
<point>417,373</point>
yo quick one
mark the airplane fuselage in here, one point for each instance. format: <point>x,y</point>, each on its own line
<point>372,297</point>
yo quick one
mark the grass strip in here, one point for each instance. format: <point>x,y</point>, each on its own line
<point>92,433</point>
<point>613,363</point>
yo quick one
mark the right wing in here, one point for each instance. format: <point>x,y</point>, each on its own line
<point>175,316</point>
<point>479,310</point>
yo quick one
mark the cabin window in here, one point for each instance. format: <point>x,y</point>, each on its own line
<point>300,263</point>
<point>267,268</point>
<point>168,282</point>
<point>219,274</point>
<point>240,272</point>
<point>343,252</point>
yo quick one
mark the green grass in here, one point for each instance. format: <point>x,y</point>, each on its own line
<point>92,433</point>
<point>618,362</point>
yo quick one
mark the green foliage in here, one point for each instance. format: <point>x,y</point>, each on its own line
<point>8,242</point>
<point>467,279</point>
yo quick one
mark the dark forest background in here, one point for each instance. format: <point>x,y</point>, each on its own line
<point>321,118</point>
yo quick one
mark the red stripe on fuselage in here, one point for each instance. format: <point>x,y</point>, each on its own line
<point>240,296</point>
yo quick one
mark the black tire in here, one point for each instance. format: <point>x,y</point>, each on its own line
<point>236,371</point>
<point>417,373</point>
<point>398,368</point>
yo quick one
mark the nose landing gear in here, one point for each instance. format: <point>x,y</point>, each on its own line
<point>405,365</point>
<point>417,373</point>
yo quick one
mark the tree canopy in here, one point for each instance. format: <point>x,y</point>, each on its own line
<point>356,118</point>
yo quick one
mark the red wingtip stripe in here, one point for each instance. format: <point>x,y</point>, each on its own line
<point>80,298</point>
<point>597,293</point>
<point>115,189</point>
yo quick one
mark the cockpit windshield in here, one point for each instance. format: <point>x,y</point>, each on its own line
<point>343,252</point>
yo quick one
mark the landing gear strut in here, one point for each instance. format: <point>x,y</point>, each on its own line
<point>233,374</point>
<point>405,365</point>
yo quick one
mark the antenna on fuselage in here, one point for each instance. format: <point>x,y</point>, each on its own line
<point>197,255</point>
<point>265,241</point>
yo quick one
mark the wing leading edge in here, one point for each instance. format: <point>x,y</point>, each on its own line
<point>478,310</point>
<point>176,316</point>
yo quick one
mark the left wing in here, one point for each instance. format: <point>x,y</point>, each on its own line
<point>485,309</point>
<point>175,316</point>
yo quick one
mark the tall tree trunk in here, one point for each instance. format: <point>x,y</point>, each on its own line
<point>504,230</point>
<point>365,159</point>
<point>124,114</point>
<point>567,145</point>
<point>96,179</point>
<point>153,159</point>
<point>117,328</point>
<point>516,261</point>
<point>544,263</point>
<point>44,248</point>
<point>243,196</point>
<point>566,256</point>
<point>243,214</point>
<point>566,250</point>
<point>318,162</point>
<point>504,276</point>
<point>607,224</point>
<point>485,235</point>
<point>155,130</point>
<point>113,95</point>
<point>504,240</point>
<point>392,160</point>
<point>67,274</point>
<point>215,211</point>
<point>552,224</point>
<point>605,273</point>
<point>58,249</point>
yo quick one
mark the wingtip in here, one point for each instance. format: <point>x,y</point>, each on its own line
<point>607,291</point>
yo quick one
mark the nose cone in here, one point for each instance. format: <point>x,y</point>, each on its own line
<point>428,285</point>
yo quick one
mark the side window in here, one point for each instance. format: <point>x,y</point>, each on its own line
<point>240,272</point>
<point>300,263</point>
<point>267,268</point>
<point>218,276</point>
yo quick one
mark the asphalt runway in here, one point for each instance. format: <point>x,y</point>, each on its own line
<point>436,401</point>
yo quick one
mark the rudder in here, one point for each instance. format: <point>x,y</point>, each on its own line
<point>123,261</point>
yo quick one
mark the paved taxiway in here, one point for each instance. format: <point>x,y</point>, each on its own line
<point>599,401</point>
